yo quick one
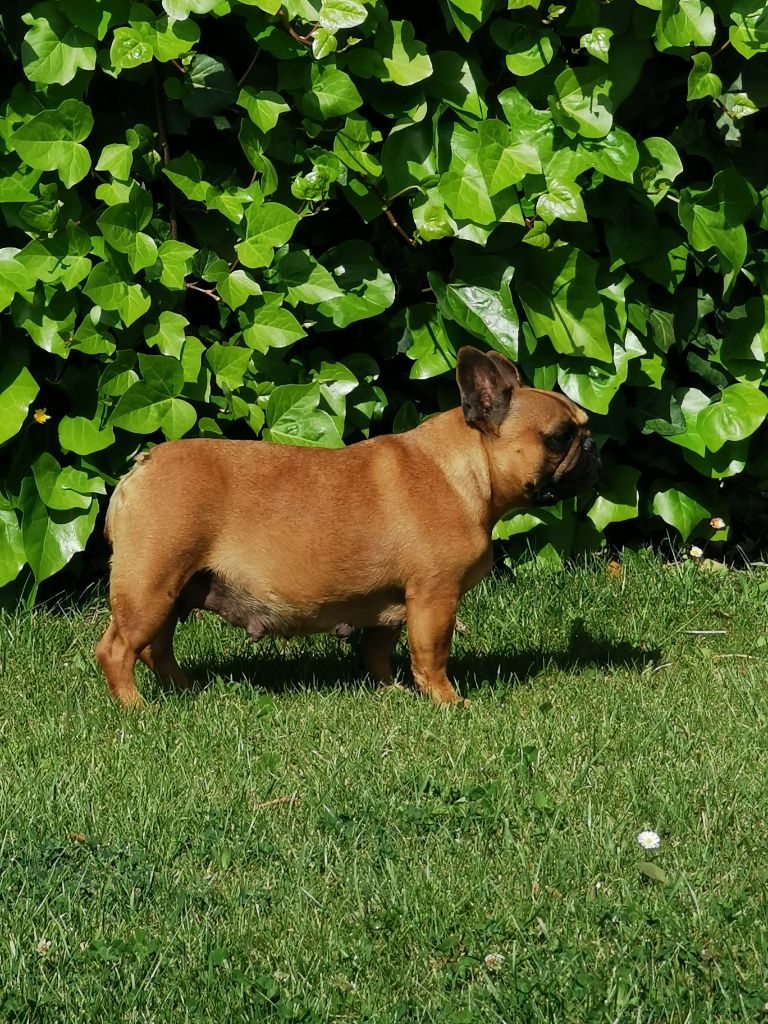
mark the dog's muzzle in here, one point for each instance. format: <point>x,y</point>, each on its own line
<point>580,475</point>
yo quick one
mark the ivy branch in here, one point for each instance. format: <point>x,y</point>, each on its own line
<point>306,40</point>
<point>165,151</point>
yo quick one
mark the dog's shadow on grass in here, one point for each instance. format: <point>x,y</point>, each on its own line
<point>281,666</point>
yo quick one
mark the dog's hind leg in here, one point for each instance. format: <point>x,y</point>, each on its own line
<point>376,649</point>
<point>159,657</point>
<point>143,605</point>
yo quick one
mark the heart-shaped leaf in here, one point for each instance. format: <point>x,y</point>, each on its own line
<point>51,141</point>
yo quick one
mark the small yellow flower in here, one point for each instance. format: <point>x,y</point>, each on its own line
<point>717,523</point>
<point>696,552</point>
<point>41,416</point>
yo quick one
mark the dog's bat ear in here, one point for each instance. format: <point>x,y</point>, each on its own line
<point>508,370</point>
<point>486,383</point>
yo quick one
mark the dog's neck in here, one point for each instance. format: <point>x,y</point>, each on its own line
<point>464,463</point>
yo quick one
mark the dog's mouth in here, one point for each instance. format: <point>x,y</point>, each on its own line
<point>579,477</point>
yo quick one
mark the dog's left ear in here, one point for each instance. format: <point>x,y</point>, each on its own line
<point>486,383</point>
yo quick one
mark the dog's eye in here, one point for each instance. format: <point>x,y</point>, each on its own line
<point>562,440</point>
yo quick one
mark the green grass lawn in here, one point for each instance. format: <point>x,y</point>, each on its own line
<point>288,844</point>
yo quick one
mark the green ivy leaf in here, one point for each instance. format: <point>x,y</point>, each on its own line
<point>483,164</point>
<point>528,45</point>
<point>487,314</point>
<point>366,290</point>
<point>82,436</point>
<point>561,300</point>
<point>51,538</point>
<point>690,402</point>
<point>738,414</point>
<point>330,93</point>
<point>110,290</point>
<point>561,201</point>
<point>715,217</point>
<point>470,15</point>
<point>264,107</point>
<point>236,287</point>
<point>679,507</point>
<point>405,59</point>
<point>340,14</point>
<point>659,165</point>
<point>729,461</point>
<point>306,280</point>
<point>53,49</point>
<point>272,327</point>
<point>619,497</point>
<point>17,183</point>
<point>701,81</point>
<point>181,9</point>
<point>151,403</point>
<point>431,216</point>
<point>186,173</point>
<point>616,155</point>
<point>324,43</point>
<point>15,277</point>
<point>167,335</point>
<point>49,324</point>
<point>121,225</point>
<point>458,82</point>
<point>50,141</point>
<point>267,226</point>
<point>749,33</point>
<point>117,158</point>
<point>685,23</point>
<point>426,342</point>
<point>294,418</point>
<point>598,43</point>
<point>12,555</point>
<point>64,489</point>
<point>594,385</point>
<point>147,36</point>
<point>18,389</point>
<point>351,142</point>
<point>208,86</point>
<point>229,364</point>
<point>581,103</point>
<point>175,258</point>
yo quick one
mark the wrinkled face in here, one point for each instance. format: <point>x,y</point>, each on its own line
<point>539,445</point>
<point>553,427</point>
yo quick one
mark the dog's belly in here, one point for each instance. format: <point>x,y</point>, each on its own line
<point>261,614</point>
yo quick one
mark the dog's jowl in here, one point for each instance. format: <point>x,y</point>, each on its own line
<point>384,533</point>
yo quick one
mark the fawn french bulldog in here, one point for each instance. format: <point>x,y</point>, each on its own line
<point>384,533</point>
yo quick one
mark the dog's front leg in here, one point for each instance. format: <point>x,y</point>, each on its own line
<point>431,617</point>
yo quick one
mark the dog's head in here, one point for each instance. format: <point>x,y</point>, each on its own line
<point>539,447</point>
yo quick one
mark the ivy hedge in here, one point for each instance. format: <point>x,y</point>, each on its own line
<point>280,219</point>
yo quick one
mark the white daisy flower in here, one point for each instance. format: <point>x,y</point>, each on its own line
<point>494,961</point>
<point>717,523</point>
<point>43,947</point>
<point>696,552</point>
<point>649,840</point>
